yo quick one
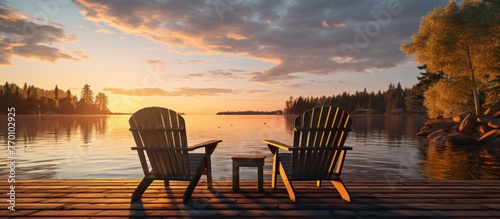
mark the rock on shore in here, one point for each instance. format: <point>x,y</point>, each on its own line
<point>465,129</point>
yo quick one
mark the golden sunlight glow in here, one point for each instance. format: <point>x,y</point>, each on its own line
<point>342,59</point>
<point>339,24</point>
<point>325,24</point>
<point>235,36</point>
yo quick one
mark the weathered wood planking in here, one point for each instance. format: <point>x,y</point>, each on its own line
<point>370,199</point>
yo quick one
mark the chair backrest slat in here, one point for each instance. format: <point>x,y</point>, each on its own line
<point>163,128</point>
<point>323,126</point>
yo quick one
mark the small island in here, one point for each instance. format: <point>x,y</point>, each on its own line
<point>250,112</point>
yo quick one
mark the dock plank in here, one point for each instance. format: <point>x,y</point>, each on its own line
<point>59,198</point>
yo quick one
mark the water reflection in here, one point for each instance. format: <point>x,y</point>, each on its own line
<point>44,143</point>
<point>385,147</point>
<point>471,162</point>
<point>394,127</point>
<point>389,143</point>
<point>30,127</point>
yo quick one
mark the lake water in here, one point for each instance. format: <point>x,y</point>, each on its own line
<point>385,148</point>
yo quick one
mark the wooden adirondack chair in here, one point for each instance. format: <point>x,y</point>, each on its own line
<point>160,134</point>
<point>318,150</point>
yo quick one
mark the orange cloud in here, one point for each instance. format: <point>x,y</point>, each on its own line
<point>235,36</point>
<point>155,63</point>
<point>324,24</point>
<point>339,25</point>
<point>104,31</point>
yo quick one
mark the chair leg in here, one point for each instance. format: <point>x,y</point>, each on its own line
<point>209,172</point>
<point>141,188</point>
<point>166,183</point>
<point>288,184</point>
<point>318,183</point>
<point>340,186</point>
<point>274,174</point>
<point>208,161</point>
<point>194,181</point>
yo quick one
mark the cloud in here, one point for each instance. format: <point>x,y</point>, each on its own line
<point>21,35</point>
<point>339,25</point>
<point>225,73</point>
<point>183,91</point>
<point>325,24</point>
<point>181,62</point>
<point>158,63</point>
<point>104,31</point>
<point>298,36</point>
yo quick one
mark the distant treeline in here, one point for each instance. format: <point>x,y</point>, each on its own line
<point>276,112</point>
<point>383,102</point>
<point>33,100</point>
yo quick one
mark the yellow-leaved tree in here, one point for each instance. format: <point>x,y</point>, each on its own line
<point>463,42</point>
<point>447,98</point>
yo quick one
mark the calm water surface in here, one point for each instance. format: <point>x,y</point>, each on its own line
<point>57,146</point>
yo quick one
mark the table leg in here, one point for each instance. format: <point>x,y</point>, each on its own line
<point>260,176</point>
<point>236,175</point>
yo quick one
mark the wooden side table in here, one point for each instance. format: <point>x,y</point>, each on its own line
<point>248,161</point>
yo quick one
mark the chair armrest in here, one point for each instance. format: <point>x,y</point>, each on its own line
<point>204,144</point>
<point>158,149</point>
<point>272,143</point>
<point>277,144</point>
<point>321,149</point>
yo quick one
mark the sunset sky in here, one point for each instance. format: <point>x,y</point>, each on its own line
<point>201,57</point>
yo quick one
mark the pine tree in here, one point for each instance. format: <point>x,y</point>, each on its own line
<point>25,89</point>
<point>87,95</point>
<point>56,98</point>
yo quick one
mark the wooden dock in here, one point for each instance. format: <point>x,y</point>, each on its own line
<point>52,198</point>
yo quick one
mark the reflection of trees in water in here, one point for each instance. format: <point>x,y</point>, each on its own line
<point>437,162</point>
<point>89,124</point>
<point>290,123</point>
<point>34,130</point>
<point>470,162</point>
<point>30,126</point>
<point>395,127</point>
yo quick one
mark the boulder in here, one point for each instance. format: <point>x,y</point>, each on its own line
<point>497,115</point>
<point>494,123</point>
<point>484,119</point>
<point>424,133</point>
<point>493,109</point>
<point>460,118</point>
<point>439,123</point>
<point>483,129</point>
<point>427,127</point>
<point>440,140</point>
<point>438,133</point>
<point>441,136</point>
<point>468,125</point>
<point>461,140</point>
<point>493,143</point>
<point>495,133</point>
